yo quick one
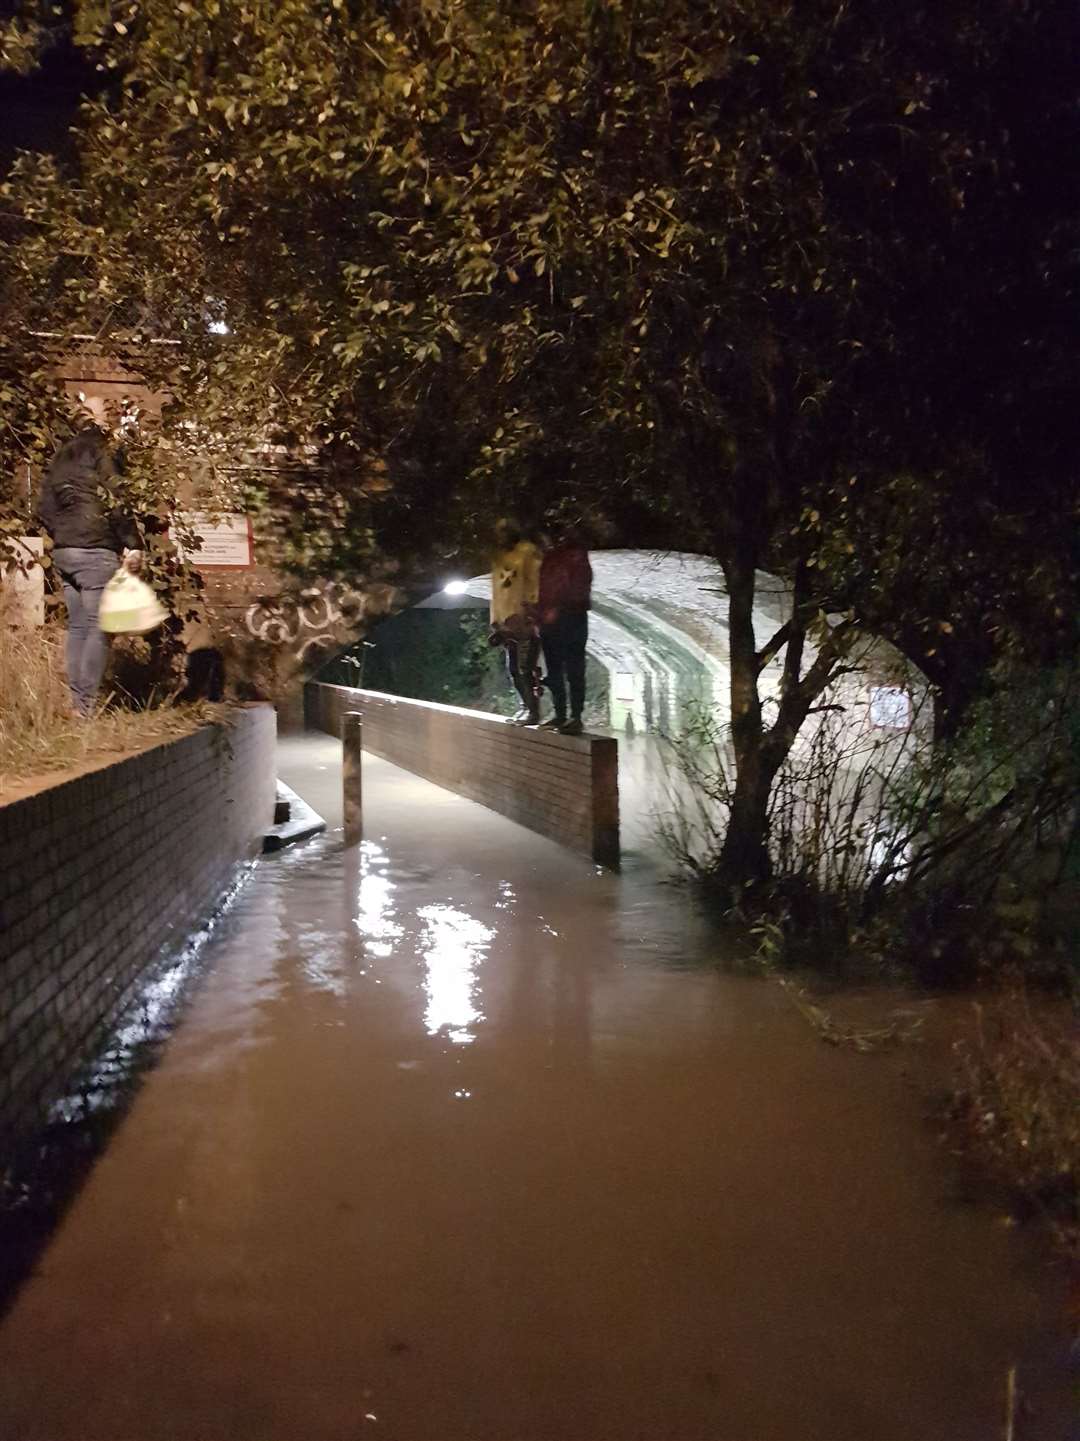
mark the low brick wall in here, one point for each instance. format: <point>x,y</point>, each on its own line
<point>565,787</point>
<point>99,875</point>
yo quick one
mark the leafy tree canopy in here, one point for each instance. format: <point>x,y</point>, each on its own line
<point>791,284</point>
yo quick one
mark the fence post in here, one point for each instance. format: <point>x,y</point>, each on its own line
<point>351,751</point>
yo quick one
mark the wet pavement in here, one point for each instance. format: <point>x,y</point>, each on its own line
<point>462,1137</point>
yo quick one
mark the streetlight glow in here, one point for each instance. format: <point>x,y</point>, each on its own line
<point>455,587</point>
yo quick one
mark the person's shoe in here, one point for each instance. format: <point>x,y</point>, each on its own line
<point>554,724</point>
<point>572,728</point>
<point>520,716</point>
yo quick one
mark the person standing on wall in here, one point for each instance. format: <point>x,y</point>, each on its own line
<point>515,589</point>
<point>91,536</point>
<point>565,597</point>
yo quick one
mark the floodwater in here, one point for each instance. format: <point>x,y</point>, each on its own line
<point>461,1137</point>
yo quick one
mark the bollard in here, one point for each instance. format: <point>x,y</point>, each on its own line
<point>351,750</point>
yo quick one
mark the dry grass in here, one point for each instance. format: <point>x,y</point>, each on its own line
<point>1019,1101</point>
<point>38,732</point>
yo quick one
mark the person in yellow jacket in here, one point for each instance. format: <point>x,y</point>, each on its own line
<point>515,591</point>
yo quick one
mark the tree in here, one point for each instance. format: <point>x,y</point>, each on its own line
<point>723,273</point>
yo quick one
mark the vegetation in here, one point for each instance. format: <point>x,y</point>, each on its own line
<point>1016,1104</point>
<point>436,655</point>
<point>39,734</point>
<point>750,279</point>
<point>947,861</point>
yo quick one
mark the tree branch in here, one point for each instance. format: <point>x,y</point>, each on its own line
<point>774,646</point>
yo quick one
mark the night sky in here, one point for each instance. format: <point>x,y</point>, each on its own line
<point>37,110</point>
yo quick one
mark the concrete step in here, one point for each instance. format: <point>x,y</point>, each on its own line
<point>300,823</point>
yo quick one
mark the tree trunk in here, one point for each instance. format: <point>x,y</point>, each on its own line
<point>744,858</point>
<point>760,753</point>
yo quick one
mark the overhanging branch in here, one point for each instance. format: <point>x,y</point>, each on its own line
<point>773,647</point>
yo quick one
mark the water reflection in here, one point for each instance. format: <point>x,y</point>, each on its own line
<point>452,944</point>
<point>375,907</point>
<point>320,960</point>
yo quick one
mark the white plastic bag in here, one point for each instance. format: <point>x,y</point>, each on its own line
<point>129,606</point>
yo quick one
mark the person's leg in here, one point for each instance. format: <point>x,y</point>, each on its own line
<point>556,670</point>
<point>534,687</point>
<point>93,575</point>
<point>575,636</point>
<point>513,670</point>
<point>76,627</point>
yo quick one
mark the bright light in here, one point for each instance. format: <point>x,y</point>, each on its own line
<point>218,327</point>
<point>456,587</point>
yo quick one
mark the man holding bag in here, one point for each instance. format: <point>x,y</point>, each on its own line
<point>91,538</point>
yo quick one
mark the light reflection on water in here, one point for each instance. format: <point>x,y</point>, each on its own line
<point>375,906</point>
<point>452,944</point>
<point>321,961</point>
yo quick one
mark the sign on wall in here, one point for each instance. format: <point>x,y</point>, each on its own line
<point>227,540</point>
<point>890,708</point>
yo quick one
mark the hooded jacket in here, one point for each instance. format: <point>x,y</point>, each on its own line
<point>71,506</point>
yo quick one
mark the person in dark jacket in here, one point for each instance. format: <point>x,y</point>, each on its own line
<point>91,538</point>
<point>565,596</point>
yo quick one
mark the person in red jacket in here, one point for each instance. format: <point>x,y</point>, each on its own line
<point>565,596</point>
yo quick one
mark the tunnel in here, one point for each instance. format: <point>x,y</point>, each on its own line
<point>658,654</point>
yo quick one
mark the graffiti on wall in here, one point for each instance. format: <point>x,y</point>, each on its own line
<point>308,622</point>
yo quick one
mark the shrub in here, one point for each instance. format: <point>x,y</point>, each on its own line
<point>1018,1104</point>
<point>39,733</point>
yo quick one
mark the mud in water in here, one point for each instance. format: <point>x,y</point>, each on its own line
<point>462,1137</point>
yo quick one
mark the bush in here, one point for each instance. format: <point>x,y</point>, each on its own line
<point>945,859</point>
<point>39,733</point>
<point>1018,1105</point>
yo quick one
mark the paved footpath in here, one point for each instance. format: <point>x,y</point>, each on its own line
<point>462,1137</point>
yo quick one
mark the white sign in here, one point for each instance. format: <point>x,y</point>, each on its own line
<point>24,583</point>
<point>227,540</point>
<point>890,708</point>
<point>624,688</point>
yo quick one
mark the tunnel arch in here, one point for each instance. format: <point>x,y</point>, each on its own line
<point>659,627</point>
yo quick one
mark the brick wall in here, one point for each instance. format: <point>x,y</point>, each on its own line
<point>565,787</point>
<point>101,873</point>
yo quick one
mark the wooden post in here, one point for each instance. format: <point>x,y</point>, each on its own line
<point>352,750</point>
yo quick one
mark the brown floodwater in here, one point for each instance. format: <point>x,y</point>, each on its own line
<point>462,1137</point>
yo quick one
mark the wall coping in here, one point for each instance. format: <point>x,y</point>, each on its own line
<point>488,720</point>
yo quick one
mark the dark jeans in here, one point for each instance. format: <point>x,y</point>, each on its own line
<point>84,574</point>
<point>564,655</point>
<point>522,666</point>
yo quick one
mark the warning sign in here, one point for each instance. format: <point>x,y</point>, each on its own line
<point>227,542</point>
